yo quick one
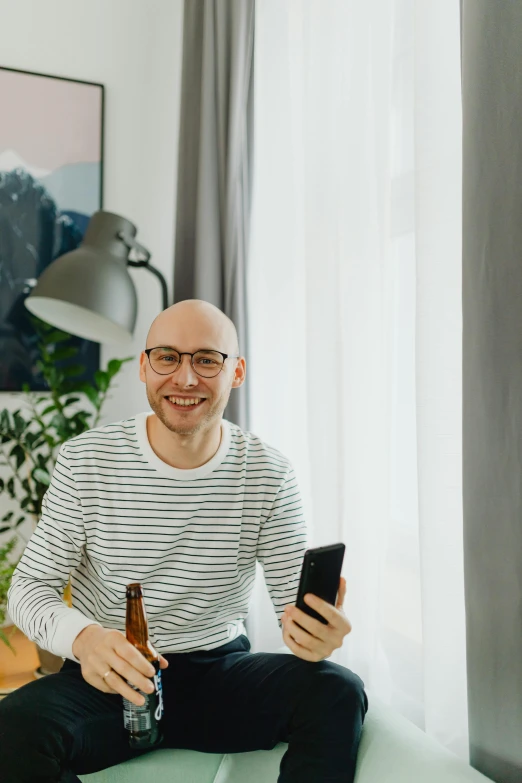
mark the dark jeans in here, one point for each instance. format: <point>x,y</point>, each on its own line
<point>226,700</point>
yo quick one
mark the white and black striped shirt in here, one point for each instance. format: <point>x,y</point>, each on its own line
<point>115,513</point>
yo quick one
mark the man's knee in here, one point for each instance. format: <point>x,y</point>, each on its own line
<point>334,690</point>
<point>31,747</point>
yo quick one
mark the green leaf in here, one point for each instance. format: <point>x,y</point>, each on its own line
<point>33,440</point>
<point>8,517</point>
<point>41,460</point>
<point>74,369</point>
<point>19,521</point>
<point>64,353</point>
<point>51,442</point>
<point>5,639</point>
<point>26,502</point>
<point>7,548</point>
<point>26,388</point>
<point>80,422</point>
<point>10,487</point>
<point>19,454</point>
<point>102,380</point>
<point>5,529</point>
<point>2,485</point>
<point>92,394</point>
<point>57,336</point>
<point>42,476</point>
<point>58,420</point>
<point>47,410</point>
<point>53,377</point>
<point>115,365</point>
<point>20,424</point>
<point>46,356</point>
<point>40,325</point>
<point>71,401</point>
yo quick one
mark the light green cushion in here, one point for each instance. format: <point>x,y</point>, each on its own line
<point>187,766</point>
<point>392,750</point>
<point>174,766</point>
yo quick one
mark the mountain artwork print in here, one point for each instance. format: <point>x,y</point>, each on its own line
<point>51,171</point>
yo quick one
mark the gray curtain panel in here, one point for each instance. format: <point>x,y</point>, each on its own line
<point>492,380</point>
<point>215,165</point>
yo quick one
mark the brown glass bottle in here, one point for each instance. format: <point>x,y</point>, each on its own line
<point>142,723</point>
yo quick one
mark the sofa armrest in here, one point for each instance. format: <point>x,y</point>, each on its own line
<point>394,750</point>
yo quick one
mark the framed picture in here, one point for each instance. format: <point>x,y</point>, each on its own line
<point>51,182</point>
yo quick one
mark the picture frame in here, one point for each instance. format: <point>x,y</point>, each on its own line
<point>51,182</point>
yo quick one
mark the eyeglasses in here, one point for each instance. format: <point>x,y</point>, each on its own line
<point>208,364</point>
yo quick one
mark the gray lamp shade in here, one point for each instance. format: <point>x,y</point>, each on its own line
<point>89,291</point>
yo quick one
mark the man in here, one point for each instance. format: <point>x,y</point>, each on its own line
<point>185,503</point>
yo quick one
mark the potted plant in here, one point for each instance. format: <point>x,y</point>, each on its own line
<point>6,572</point>
<point>31,436</point>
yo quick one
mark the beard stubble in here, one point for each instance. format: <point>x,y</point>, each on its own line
<point>214,412</point>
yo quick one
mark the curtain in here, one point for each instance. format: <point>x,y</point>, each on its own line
<point>354,291</point>
<point>492,347</point>
<point>214,170</point>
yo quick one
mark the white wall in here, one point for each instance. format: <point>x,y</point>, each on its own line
<point>133,47</point>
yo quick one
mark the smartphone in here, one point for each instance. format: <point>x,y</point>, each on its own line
<point>320,576</point>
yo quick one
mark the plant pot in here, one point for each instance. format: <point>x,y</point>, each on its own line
<point>49,663</point>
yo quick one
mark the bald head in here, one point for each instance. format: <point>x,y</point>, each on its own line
<point>193,324</point>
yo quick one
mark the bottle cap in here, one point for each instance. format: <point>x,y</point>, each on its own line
<point>134,590</point>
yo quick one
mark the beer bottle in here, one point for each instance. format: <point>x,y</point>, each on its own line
<point>142,723</point>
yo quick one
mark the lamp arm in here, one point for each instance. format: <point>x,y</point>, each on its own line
<point>131,243</point>
<point>144,262</point>
<point>163,282</point>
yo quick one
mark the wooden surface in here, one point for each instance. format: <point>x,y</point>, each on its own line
<point>17,670</point>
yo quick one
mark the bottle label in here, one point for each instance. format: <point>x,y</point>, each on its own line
<point>158,714</point>
<point>136,719</point>
<point>141,718</point>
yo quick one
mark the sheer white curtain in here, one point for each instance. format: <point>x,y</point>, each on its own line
<point>355,319</point>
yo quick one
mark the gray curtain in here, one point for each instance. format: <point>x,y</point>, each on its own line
<point>492,380</point>
<point>214,171</point>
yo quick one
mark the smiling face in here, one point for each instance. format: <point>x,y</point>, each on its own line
<point>185,402</point>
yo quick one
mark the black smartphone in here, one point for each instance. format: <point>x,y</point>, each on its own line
<point>320,576</point>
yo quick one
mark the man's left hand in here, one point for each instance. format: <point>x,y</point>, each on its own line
<point>315,641</point>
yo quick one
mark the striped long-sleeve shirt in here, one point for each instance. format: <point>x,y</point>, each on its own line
<point>115,513</point>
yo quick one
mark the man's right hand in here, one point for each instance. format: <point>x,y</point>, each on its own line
<point>102,650</point>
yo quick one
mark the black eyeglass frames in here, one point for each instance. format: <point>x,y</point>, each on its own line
<point>206,363</point>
